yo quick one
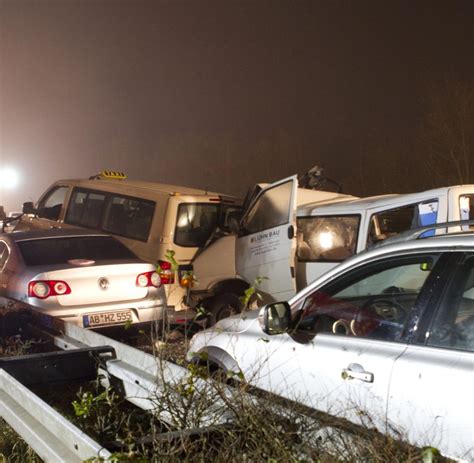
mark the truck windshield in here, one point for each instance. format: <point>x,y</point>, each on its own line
<point>195,223</point>
<point>328,238</point>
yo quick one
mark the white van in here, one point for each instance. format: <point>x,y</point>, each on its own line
<point>152,219</point>
<point>289,236</point>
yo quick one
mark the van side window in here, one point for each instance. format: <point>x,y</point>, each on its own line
<point>85,209</point>
<point>327,238</point>
<point>386,224</point>
<point>129,217</point>
<point>50,206</point>
<point>115,214</point>
<point>76,206</point>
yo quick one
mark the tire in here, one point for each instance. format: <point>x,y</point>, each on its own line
<point>223,306</point>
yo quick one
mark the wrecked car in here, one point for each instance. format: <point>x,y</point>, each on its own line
<point>385,340</point>
<point>83,277</point>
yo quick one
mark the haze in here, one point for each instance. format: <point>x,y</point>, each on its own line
<point>216,94</point>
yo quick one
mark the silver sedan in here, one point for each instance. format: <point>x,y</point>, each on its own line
<point>87,278</point>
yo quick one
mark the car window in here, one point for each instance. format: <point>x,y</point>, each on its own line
<point>116,214</point>
<point>322,239</point>
<point>388,223</point>
<point>195,224</point>
<point>50,206</point>
<point>372,302</point>
<point>271,209</point>
<point>85,209</point>
<point>51,251</point>
<point>453,325</point>
<point>129,217</point>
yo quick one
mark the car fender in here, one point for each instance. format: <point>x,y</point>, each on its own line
<point>217,356</point>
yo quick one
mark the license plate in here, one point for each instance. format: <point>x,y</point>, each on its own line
<point>106,318</point>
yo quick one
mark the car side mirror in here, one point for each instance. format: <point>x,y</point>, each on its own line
<point>28,208</point>
<point>275,318</point>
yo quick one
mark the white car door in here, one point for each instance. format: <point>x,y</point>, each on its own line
<point>266,246</point>
<point>433,381</point>
<point>340,357</point>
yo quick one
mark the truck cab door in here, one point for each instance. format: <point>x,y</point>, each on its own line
<point>266,245</point>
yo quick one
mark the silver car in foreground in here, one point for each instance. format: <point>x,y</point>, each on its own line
<point>385,339</point>
<point>86,278</point>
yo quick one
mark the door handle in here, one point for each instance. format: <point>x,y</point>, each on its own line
<point>356,371</point>
<point>291,232</point>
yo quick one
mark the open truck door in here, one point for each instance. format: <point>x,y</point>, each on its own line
<point>266,245</point>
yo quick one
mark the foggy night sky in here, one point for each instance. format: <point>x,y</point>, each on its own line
<point>196,92</point>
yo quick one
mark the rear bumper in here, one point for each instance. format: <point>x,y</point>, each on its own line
<point>143,312</point>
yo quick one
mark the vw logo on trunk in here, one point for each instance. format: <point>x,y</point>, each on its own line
<point>103,283</point>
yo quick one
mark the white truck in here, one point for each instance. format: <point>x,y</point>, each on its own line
<point>289,236</point>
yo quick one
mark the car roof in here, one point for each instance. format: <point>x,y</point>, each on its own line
<point>142,185</point>
<point>50,233</point>
<point>354,205</point>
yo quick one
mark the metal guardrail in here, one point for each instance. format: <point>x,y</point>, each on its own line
<point>47,432</point>
<point>144,380</point>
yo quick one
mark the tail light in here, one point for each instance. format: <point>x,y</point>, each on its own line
<point>147,279</point>
<point>166,272</point>
<point>42,289</point>
<point>186,276</point>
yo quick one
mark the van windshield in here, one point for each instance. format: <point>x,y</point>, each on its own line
<point>196,223</point>
<point>327,238</point>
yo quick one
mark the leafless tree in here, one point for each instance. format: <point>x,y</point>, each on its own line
<point>446,138</point>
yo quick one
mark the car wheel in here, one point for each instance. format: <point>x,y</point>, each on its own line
<point>223,306</point>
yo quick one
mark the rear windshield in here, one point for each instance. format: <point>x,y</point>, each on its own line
<point>196,223</point>
<point>53,251</point>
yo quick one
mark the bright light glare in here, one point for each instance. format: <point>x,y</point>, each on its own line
<point>8,178</point>
<point>326,240</point>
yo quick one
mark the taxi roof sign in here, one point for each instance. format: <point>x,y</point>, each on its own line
<point>112,174</point>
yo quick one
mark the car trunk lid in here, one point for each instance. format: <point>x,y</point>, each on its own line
<point>96,284</point>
